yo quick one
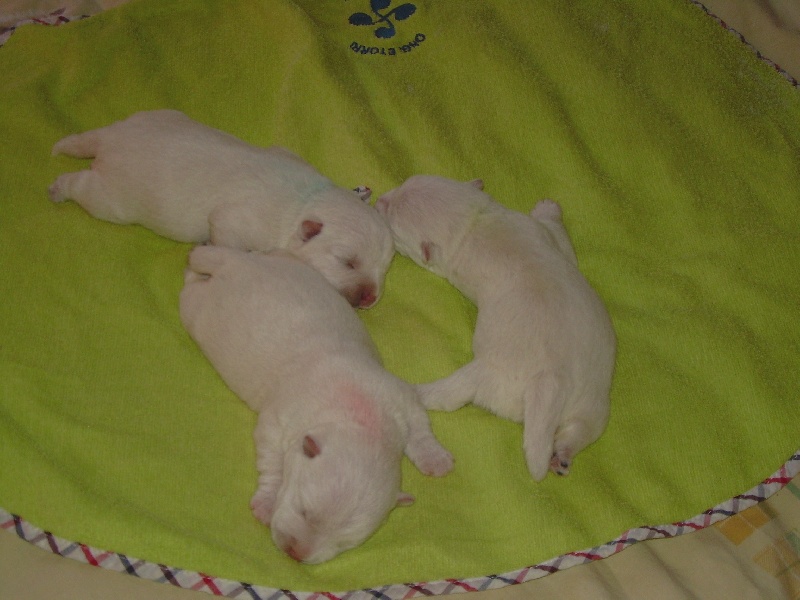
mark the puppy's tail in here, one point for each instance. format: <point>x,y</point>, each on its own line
<point>543,405</point>
<point>79,145</point>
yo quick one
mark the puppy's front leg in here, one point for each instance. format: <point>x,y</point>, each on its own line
<point>548,213</point>
<point>422,448</point>
<point>240,225</point>
<point>269,462</point>
<point>204,261</point>
<point>452,392</point>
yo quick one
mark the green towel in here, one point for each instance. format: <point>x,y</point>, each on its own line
<point>673,151</point>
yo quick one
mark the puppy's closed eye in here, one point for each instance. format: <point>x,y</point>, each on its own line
<point>352,263</point>
<point>311,518</point>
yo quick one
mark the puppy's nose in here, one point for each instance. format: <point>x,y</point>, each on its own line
<point>293,551</point>
<point>367,297</point>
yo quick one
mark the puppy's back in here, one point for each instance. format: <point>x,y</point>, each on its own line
<point>260,319</point>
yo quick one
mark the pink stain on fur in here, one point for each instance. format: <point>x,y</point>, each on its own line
<point>361,409</point>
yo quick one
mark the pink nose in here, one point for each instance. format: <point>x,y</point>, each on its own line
<point>292,550</point>
<point>294,554</point>
<point>367,298</point>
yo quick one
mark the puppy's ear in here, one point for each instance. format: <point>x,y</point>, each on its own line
<point>363,192</point>
<point>429,251</point>
<point>310,228</point>
<point>478,183</point>
<point>310,447</point>
<point>405,499</point>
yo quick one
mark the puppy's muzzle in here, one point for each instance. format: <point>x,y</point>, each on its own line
<point>362,296</point>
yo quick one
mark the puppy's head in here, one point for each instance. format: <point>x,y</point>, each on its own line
<point>429,215</point>
<point>338,487</point>
<point>347,241</point>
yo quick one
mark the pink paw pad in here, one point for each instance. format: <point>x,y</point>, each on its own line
<point>560,464</point>
<point>437,464</point>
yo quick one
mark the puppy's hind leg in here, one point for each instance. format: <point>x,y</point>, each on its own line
<point>79,145</point>
<point>204,261</point>
<point>452,392</point>
<point>543,405</point>
<point>570,438</point>
<point>88,189</point>
<point>71,185</point>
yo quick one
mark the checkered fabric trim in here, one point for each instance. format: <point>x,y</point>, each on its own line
<point>244,591</point>
<point>794,82</point>
<point>57,17</point>
<point>238,590</point>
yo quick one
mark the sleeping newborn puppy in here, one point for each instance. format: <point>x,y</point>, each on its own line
<point>333,424</point>
<point>543,345</point>
<point>192,183</point>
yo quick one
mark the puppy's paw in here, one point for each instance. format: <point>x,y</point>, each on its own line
<point>560,463</point>
<point>263,505</point>
<point>546,209</point>
<point>434,461</point>
<point>56,191</point>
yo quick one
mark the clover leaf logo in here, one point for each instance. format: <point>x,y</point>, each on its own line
<point>387,30</point>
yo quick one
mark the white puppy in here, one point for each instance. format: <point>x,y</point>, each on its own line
<point>192,183</point>
<point>333,423</point>
<point>544,345</point>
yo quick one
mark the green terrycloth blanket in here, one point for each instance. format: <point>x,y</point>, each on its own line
<point>673,151</point>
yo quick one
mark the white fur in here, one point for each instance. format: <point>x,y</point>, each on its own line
<point>544,345</point>
<point>289,346</point>
<point>192,183</point>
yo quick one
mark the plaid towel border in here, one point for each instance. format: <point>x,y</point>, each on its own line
<point>239,590</point>
<point>402,591</point>
<point>57,17</point>
<point>792,81</point>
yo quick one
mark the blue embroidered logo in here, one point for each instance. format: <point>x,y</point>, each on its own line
<point>384,19</point>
